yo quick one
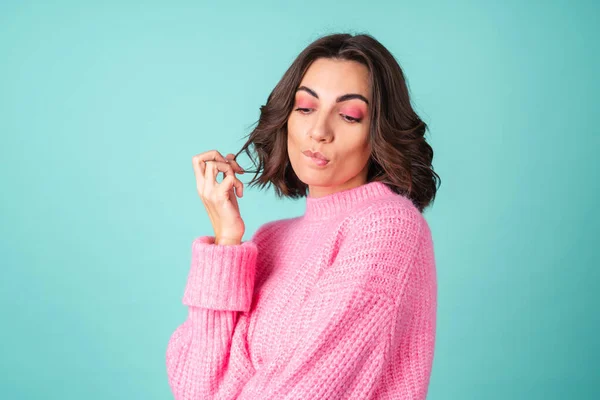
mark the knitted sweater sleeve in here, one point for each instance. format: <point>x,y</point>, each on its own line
<point>355,315</point>
<point>220,285</point>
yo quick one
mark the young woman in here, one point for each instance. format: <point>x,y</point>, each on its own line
<point>339,303</point>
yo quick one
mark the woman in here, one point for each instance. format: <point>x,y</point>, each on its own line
<point>339,303</point>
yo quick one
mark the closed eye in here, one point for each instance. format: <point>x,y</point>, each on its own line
<point>346,117</point>
<point>351,119</point>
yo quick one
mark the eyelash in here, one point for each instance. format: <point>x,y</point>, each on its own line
<point>351,119</point>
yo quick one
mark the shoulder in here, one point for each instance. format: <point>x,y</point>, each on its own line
<point>387,214</point>
<point>388,230</point>
<point>379,245</point>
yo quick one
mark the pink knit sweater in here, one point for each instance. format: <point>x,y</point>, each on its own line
<point>339,303</point>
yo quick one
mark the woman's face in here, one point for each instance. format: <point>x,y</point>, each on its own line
<point>331,116</point>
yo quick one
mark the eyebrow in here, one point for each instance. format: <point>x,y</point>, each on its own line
<point>339,99</point>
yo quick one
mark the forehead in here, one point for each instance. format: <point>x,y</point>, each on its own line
<point>332,78</point>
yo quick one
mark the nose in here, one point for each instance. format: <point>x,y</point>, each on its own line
<point>321,131</point>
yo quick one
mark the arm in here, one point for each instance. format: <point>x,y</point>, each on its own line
<point>202,362</point>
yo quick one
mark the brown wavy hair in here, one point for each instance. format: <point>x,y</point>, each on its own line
<point>401,158</point>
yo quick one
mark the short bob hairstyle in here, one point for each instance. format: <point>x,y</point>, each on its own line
<point>401,158</point>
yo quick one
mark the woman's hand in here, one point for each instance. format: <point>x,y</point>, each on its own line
<point>219,198</point>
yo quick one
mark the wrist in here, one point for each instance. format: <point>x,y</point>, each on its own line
<point>227,241</point>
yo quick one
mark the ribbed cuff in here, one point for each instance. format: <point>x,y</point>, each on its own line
<point>221,277</point>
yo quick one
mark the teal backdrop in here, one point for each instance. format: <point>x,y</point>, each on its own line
<point>103,105</point>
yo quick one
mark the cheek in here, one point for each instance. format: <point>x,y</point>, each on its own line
<point>357,151</point>
<point>293,142</point>
<point>294,128</point>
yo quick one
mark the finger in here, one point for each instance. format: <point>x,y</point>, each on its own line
<point>199,169</point>
<point>231,158</point>
<point>227,170</point>
<point>199,164</point>
<point>212,155</point>
<point>229,182</point>
<point>209,176</point>
<point>216,158</point>
<point>212,170</point>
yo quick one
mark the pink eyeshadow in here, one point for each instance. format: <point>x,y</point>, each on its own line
<point>304,104</point>
<point>353,112</point>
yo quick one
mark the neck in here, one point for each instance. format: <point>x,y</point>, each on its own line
<point>333,204</point>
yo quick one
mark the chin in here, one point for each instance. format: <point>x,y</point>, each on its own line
<point>316,178</point>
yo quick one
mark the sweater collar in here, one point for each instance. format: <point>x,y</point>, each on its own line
<point>339,202</point>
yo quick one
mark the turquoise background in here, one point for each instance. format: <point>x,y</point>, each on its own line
<point>103,105</point>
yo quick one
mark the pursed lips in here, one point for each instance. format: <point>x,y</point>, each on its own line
<point>315,155</point>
